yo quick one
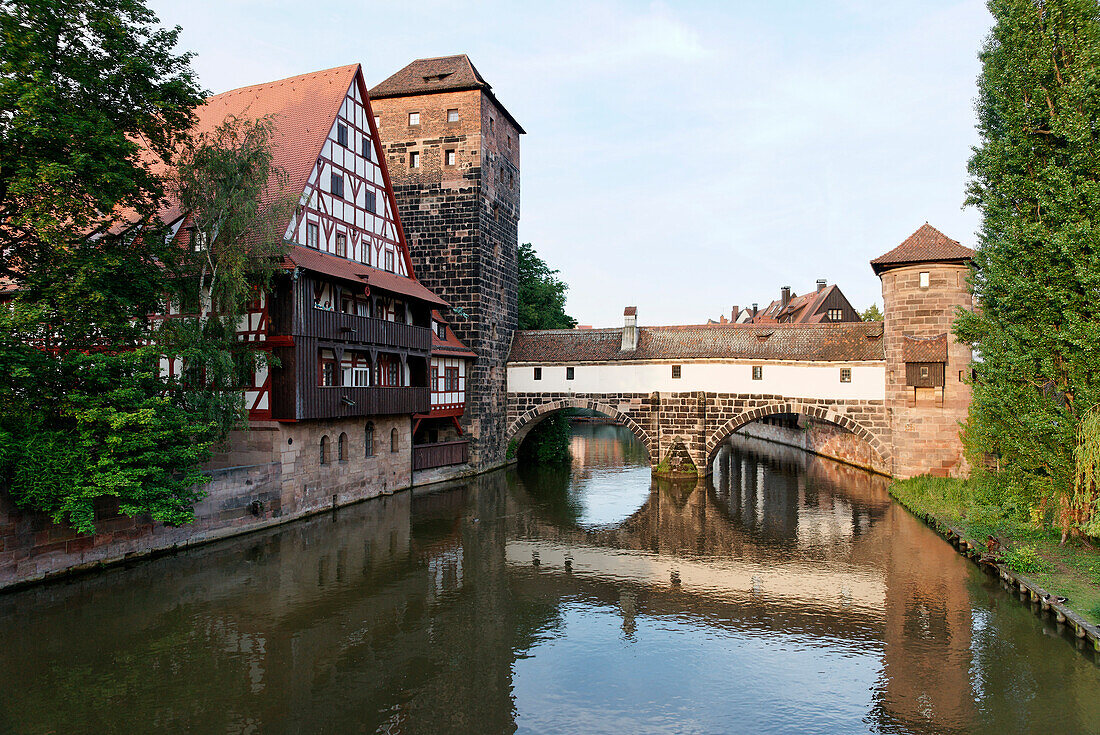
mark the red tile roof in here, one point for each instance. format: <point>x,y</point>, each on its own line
<point>451,346</point>
<point>842,342</point>
<point>928,349</point>
<point>356,272</point>
<point>926,245</point>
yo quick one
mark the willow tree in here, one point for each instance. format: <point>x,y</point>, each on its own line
<point>1036,179</point>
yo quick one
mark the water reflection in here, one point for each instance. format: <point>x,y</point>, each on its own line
<point>788,594</point>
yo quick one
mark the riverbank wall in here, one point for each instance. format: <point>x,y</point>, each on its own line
<point>817,437</point>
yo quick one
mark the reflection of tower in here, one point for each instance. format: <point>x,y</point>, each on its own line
<point>453,155</point>
<point>923,284</point>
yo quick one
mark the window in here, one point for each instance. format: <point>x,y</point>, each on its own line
<point>414,118</point>
<point>328,373</point>
<point>377,120</point>
<point>342,447</point>
<point>324,450</point>
<point>490,125</point>
<point>366,148</point>
<point>198,240</point>
<point>569,373</point>
<point>452,115</point>
<point>341,244</point>
<point>368,440</point>
<point>846,375</point>
<point>414,159</point>
<point>835,315</point>
<point>538,373</point>
<point>450,379</point>
<point>394,441</point>
<point>393,373</point>
<point>925,372</point>
<point>676,371</point>
<point>336,185</point>
<point>342,134</point>
<point>509,141</point>
<point>924,279</point>
<point>370,204</point>
<point>389,261</point>
<point>313,235</point>
<point>441,330</point>
<point>449,158</point>
<point>757,372</point>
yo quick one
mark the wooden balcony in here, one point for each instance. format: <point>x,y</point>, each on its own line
<point>440,454</point>
<point>318,402</point>
<point>337,326</point>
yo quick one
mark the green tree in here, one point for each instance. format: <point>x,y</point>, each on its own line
<point>541,294</point>
<point>1036,179</point>
<point>872,313</point>
<point>93,102</point>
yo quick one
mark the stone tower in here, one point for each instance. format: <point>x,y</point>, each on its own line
<point>924,282</point>
<point>453,155</point>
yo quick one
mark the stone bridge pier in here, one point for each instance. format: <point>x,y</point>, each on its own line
<point>682,431</point>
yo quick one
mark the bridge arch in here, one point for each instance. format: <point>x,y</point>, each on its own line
<point>813,410</point>
<point>519,428</point>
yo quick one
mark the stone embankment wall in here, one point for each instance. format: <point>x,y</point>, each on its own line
<point>826,440</point>
<point>274,474</point>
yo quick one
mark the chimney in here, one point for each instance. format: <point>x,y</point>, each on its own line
<point>755,308</point>
<point>821,283</point>
<point>785,296</point>
<point>734,314</point>
<point>630,329</point>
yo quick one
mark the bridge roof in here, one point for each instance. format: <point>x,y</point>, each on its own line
<point>836,342</point>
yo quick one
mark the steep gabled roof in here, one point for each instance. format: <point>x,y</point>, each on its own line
<point>926,245</point>
<point>804,309</point>
<point>450,346</point>
<point>840,342</point>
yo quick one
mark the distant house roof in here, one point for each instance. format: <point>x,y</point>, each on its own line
<point>926,245</point>
<point>358,273</point>
<point>840,342</point>
<point>434,75</point>
<point>804,309</point>
<point>450,345</point>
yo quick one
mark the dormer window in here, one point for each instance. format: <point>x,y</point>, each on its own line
<point>342,134</point>
<point>441,330</point>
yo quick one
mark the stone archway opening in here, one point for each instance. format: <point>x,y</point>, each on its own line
<point>522,426</point>
<point>815,429</point>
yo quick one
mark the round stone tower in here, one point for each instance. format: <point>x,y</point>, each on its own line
<point>924,282</point>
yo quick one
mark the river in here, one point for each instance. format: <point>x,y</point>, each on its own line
<point>786,594</point>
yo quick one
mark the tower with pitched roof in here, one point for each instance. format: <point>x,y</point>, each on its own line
<point>452,151</point>
<point>924,283</point>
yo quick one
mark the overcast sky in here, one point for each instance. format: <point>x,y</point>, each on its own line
<point>682,157</point>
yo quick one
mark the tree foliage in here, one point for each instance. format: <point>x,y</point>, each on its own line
<point>872,314</point>
<point>1036,179</point>
<point>541,294</point>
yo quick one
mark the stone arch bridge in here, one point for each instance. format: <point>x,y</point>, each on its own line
<point>683,390</point>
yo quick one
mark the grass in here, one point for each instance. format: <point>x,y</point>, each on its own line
<point>1071,570</point>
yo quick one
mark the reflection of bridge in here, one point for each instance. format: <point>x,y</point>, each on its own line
<point>898,385</point>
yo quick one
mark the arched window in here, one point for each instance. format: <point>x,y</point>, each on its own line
<point>342,447</point>
<point>368,443</point>
<point>324,450</point>
<point>393,440</point>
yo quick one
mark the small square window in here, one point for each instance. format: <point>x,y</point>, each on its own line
<point>452,115</point>
<point>336,185</point>
<point>757,372</point>
<point>676,371</point>
<point>342,134</point>
<point>341,245</point>
<point>414,118</point>
<point>449,158</point>
<point>370,203</point>
<point>924,279</point>
<point>414,159</point>
<point>925,372</point>
<point>846,375</point>
<point>569,373</point>
<point>538,373</point>
<point>366,148</point>
<point>313,235</point>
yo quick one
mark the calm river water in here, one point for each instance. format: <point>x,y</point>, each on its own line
<point>789,594</point>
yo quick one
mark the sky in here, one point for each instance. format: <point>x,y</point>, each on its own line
<point>679,157</point>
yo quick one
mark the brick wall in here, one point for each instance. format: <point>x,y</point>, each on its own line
<point>461,223</point>
<point>826,440</point>
<point>925,422</point>
<point>282,479</point>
